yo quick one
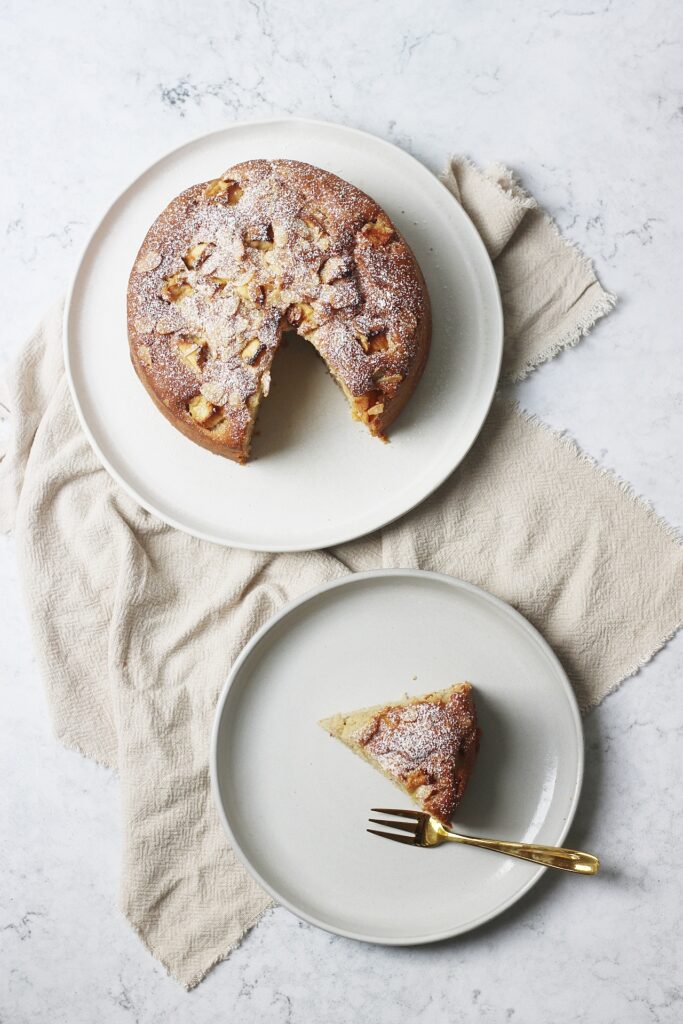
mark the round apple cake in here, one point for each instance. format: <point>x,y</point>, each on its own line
<point>271,246</point>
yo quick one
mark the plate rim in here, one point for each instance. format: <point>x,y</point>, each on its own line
<point>291,606</point>
<point>216,538</point>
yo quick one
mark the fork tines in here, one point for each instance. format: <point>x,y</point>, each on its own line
<point>418,815</point>
<point>410,840</point>
<point>403,826</point>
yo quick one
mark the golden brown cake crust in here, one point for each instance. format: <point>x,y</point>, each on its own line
<point>430,746</point>
<point>269,246</point>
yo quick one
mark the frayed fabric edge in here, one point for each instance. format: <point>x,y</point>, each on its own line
<point>660,644</point>
<point>78,748</point>
<point>565,438</point>
<point>585,261</point>
<point>73,745</point>
<point>514,193</point>
<point>603,305</point>
<point>670,531</point>
<point>197,978</point>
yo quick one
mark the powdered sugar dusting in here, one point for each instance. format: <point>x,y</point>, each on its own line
<point>276,244</point>
<point>429,746</point>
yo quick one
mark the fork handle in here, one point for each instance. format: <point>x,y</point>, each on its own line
<point>548,856</point>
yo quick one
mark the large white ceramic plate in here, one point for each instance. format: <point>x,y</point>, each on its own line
<point>295,802</point>
<point>317,478</point>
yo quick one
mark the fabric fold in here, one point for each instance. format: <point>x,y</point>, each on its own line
<point>550,294</point>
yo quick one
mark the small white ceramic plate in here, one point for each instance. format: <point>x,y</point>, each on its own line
<point>317,478</point>
<point>295,802</point>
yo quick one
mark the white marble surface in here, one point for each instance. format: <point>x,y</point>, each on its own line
<point>585,99</point>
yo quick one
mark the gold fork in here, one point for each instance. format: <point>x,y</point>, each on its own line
<point>423,830</point>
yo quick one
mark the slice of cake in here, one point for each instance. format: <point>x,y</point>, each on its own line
<point>425,745</point>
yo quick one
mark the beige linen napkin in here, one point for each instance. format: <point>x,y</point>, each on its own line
<point>136,624</point>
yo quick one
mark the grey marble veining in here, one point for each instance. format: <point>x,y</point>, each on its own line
<point>585,100</point>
